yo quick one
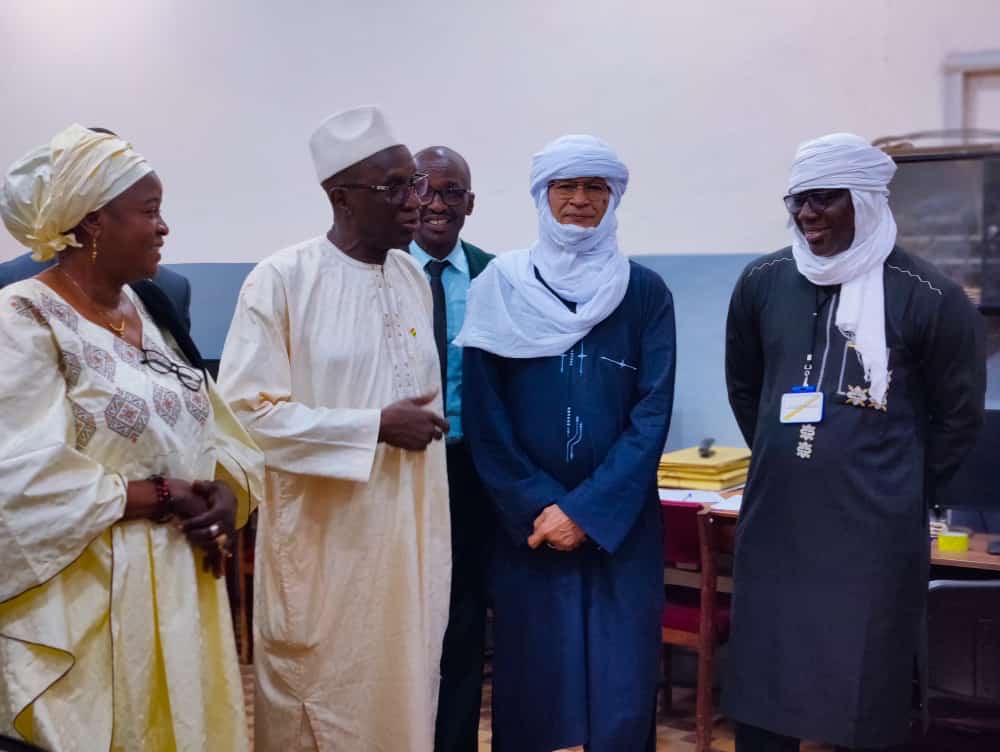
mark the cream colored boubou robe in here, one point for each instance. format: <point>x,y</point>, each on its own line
<point>353,549</point>
<point>111,635</point>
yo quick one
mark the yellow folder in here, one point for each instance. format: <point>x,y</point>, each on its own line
<point>721,459</point>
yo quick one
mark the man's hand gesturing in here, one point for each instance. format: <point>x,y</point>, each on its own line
<point>408,424</point>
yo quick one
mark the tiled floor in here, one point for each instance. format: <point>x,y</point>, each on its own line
<point>246,672</point>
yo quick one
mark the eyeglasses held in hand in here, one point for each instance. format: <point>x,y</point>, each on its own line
<point>395,194</point>
<point>188,376</point>
<point>819,200</point>
<point>593,190</point>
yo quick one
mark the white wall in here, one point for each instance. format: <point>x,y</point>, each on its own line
<point>982,101</point>
<point>704,101</point>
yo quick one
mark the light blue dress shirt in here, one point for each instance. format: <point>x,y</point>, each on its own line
<point>455,279</point>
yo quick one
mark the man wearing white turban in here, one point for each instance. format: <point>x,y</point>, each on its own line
<point>856,373</point>
<point>569,376</point>
<point>332,364</point>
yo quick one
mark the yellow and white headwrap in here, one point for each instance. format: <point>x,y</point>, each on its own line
<point>48,191</point>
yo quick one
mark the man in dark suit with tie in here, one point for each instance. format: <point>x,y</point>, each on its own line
<point>451,264</point>
<point>175,286</point>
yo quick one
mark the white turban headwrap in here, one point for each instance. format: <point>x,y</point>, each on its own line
<point>48,191</point>
<point>509,312</point>
<point>843,160</point>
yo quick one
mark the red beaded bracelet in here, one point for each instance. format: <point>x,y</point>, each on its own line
<point>164,501</point>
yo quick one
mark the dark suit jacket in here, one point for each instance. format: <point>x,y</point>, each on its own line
<point>174,285</point>
<point>477,258</point>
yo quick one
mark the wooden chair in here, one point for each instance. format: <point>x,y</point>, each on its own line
<point>697,620</point>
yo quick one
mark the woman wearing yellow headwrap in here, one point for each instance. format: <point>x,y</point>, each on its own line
<point>118,467</point>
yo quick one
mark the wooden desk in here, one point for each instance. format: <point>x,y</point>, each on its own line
<point>975,558</point>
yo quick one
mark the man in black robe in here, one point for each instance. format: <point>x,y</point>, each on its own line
<point>857,376</point>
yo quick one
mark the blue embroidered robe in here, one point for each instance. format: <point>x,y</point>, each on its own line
<point>577,634</point>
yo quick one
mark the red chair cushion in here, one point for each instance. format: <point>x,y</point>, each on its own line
<point>683,612</point>
<point>680,532</point>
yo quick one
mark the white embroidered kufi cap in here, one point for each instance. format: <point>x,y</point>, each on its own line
<point>347,137</point>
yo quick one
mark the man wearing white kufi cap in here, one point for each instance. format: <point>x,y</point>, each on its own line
<point>570,356</point>
<point>856,373</point>
<point>332,365</point>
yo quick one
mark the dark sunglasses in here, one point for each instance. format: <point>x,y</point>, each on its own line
<point>819,200</point>
<point>188,376</point>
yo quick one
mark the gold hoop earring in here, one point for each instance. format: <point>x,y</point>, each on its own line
<point>93,251</point>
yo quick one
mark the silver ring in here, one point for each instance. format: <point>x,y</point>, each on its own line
<point>213,529</point>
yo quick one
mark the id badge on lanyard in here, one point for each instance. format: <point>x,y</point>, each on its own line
<point>802,405</point>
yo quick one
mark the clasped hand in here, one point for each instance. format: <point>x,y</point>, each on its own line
<point>554,527</point>
<point>201,506</point>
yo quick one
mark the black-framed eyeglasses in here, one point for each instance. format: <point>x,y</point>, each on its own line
<point>395,194</point>
<point>593,190</point>
<point>450,196</point>
<point>819,200</point>
<point>189,377</point>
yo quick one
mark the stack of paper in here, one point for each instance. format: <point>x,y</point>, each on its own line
<point>687,495</point>
<point>729,504</point>
<point>725,468</point>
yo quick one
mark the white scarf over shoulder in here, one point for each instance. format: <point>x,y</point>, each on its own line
<point>843,160</point>
<point>509,312</point>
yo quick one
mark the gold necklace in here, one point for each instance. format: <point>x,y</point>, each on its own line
<point>117,330</point>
